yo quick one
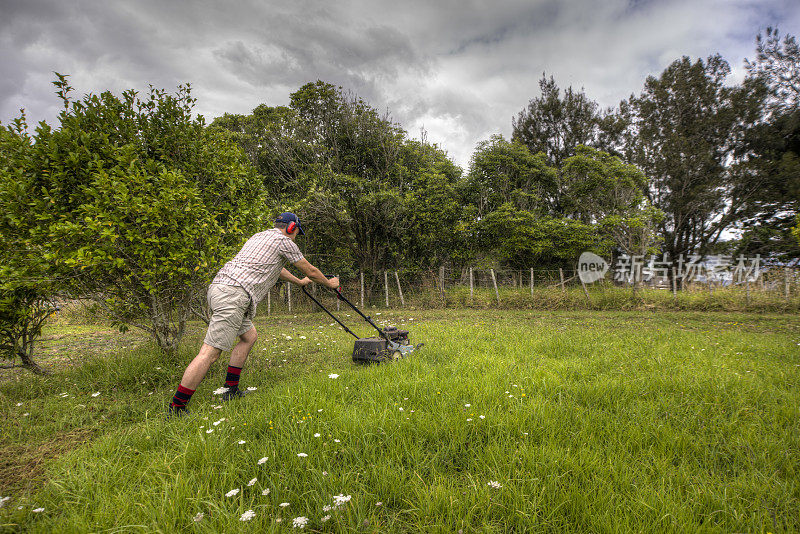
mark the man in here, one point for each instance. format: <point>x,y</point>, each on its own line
<point>233,296</point>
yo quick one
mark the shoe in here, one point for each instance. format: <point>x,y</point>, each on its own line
<point>173,411</point>
<point>234,394</point>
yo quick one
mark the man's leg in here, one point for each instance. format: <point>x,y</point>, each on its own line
<point>238,358</point>
<point>193,375</point>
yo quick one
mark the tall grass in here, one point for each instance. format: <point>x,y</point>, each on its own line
<point>670,422</point>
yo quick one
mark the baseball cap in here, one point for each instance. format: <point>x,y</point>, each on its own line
<point>287,217</point>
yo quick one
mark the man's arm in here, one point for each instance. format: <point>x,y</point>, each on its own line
<point>315,274</point>
<point>286,276</point>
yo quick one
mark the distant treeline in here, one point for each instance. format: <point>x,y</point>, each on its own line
<point>671,170</point>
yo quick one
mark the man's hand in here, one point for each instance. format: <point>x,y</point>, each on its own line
<point>333,283</point>
<point>304,282</point>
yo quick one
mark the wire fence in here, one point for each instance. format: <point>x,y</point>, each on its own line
<point>775,289</point>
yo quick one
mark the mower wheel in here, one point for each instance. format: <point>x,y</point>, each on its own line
<point>396,355</point>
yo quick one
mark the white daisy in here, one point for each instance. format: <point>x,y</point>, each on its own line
<point>327,508</point>
<point>232,492</point>
<point>317,435</point>
<point>341,499</point>
<point>3,500</point>
<point>209,431</point>
<point>247,516</point>
<point>283,504</point>
<point>242,442</point>
<point>337,441</point>
<point>252,388</point>
<point>333,375</point>
<point>199,517</point>
<point>37,510</point>
<point>302,454</point>
<point>253,481</point>
<point>265,491</point>
<point>220,391</point>
<point>467,405</point>
<point>263,460</point>
<point>325,518</point>
<point>95,394</point>
<point>299,522</point>
<point>494,484</point>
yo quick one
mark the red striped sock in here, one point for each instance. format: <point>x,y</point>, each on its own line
<point>232,379</point>
<point>181,397</point>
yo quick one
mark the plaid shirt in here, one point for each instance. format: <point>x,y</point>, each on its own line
<point>257,266</point>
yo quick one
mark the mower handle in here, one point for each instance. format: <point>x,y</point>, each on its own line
<point>341,297</point>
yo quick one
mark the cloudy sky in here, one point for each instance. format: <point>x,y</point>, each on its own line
<point>459,69</point>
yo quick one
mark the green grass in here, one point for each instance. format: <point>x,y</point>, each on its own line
<point>593,422</point>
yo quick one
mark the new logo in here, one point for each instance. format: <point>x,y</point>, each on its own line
<point>591,267</point>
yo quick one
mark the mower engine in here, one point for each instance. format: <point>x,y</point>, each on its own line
<point>392,346</point>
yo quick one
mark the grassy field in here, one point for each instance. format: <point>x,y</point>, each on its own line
<point>505,421</point>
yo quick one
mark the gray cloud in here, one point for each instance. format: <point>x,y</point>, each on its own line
<point>460,69</point>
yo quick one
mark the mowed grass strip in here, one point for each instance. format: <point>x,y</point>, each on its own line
<point>505,421</point>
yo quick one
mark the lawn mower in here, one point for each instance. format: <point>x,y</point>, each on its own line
<point>391,343</point>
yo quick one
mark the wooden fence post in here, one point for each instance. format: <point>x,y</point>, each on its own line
<point>585,292</point>
<point>362,288</point>
<point>400,290</point>
<point>471,287</point>
<point>531,281</point>
<point>747,291</point>
<point>494,281</point>
<point>441,281</point>
<point>386,285</point>
<point>561,276</point>
<point>674,284</point>
<point>786,282</point>
<point>289,295</point>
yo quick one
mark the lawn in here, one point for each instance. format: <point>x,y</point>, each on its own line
<point>505,421</point>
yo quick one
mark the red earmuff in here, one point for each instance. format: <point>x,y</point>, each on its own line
<point>291,227</point>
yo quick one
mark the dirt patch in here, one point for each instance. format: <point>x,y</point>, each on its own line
<point>23,465</point>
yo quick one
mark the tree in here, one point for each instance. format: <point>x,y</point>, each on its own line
<point>556,126</point>
<point>682,134</point>
<point>771,160</point>
<point>770,149</point>
<point>343,167</point>
<point>137,204</point>
<point>438,216</point>
<point>521,239</point>
<point>777,63</point>
<point>27,292</point>
<point>270,139</point>
<point>507,172</point>
<point>600,189</point>
<point>596,185</point>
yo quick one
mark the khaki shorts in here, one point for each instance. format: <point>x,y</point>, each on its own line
<point>230,318</point>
